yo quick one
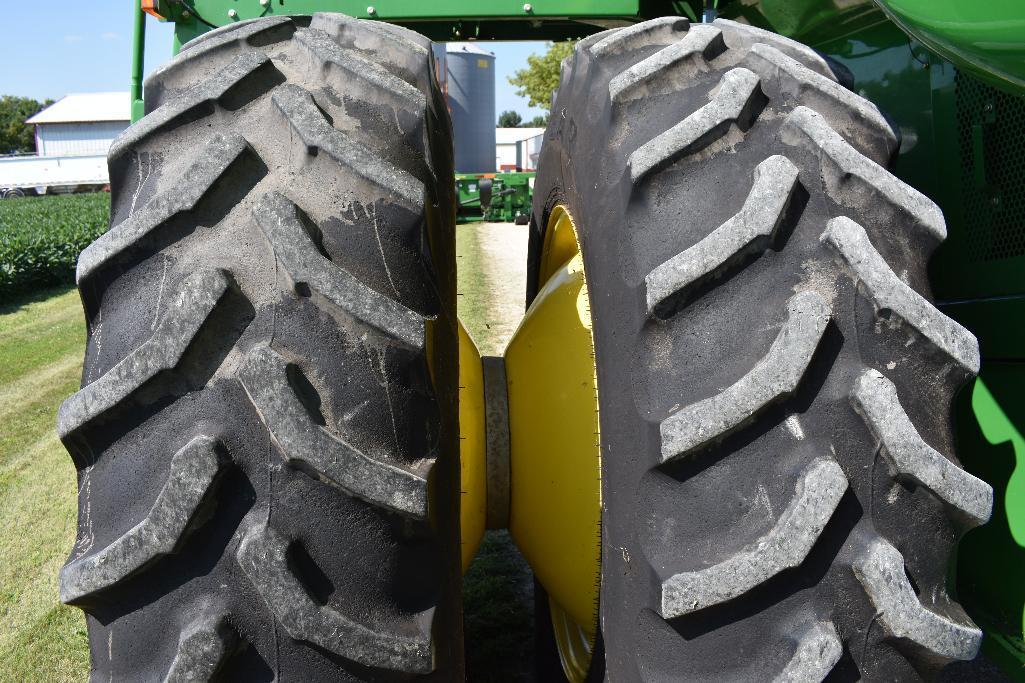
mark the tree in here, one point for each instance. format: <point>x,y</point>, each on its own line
<point>15,136</point>
<point>537,122</point>
<point>509,119</point>
<point>541,76</point>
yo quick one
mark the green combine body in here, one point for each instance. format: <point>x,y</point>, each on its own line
<point>950,75</point>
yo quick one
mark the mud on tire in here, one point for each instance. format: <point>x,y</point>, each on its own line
<point>265,434</point>
<point>780,493</point>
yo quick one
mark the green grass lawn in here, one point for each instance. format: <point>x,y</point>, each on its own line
<point>41,348</point>
<point>41,342</point>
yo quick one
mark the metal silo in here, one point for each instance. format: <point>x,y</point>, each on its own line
<point>471,98</point>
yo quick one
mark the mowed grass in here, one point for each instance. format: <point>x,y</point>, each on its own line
<point>41,347</point>
<point>41,344</point>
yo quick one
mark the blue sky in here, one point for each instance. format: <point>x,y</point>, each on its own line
<point>50,49</point>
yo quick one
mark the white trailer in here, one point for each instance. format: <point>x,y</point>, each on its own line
<point>72,139</point>
<point>25,174</point>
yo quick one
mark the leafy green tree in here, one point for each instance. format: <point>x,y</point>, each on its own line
<point>509,119</point>
<point>537,122</point>
<point>15,136</point>
<point>541,76</point>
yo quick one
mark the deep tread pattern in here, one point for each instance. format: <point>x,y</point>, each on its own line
<point>818,651</point>
<point>910,457</point>
<point>353,65</point>
<point>348,30</point>
<point>855,118</point>
<point>892,298</point>
<point>671,65</point>
<point>263,556</point>
<point>226,39</point>
<point>847,166</point>
<point>219,153</point>
<point>216,35</point>
<point>202,96</point>
<point>307,270</point>
<point>309,447</point>
<point>653,32</point>
<point>230,33</point>
<point>718,174</point>
<point>746,36</point>
<point>270,376</point>
<point>775,376</point>
<point>735,103</point>
<point>162,352</point>
<point>318,135</point>
<point>406,53</point>
<point>785,546</point>
<point>204,646</point>
<point>748,232</point>
<point>194,471</point>
<point>881,571</point>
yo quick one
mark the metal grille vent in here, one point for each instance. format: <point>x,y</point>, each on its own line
<point>991,124</point>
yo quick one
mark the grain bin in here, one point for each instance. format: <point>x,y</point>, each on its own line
<point>471,98</point>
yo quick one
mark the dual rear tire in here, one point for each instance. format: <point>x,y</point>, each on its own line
<point>267,432</point>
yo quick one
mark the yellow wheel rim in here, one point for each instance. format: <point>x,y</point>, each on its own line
<point>575,644</point>
<point>555,506</point>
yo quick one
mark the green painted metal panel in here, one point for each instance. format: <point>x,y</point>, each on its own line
<point>985,38</point>
<point>138,52</point>
<point>983,189</point>
<point>809,21</point>
<point>216,11</point>
<point>438,19</point>
<point>991,558</point>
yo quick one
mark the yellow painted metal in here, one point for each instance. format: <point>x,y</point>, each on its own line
<point>575,644</point>
<point>555,515</point>
<point>472,448</point>
<point>560,245</point>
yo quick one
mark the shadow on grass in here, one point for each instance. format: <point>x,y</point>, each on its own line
<point>12,303</point>
<point>498,613</point>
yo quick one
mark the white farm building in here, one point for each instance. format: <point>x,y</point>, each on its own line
<point>81,124</point>
<point>517,149</point>
<point>72,139</point>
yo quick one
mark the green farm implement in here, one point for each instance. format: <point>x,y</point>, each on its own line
<point>500,197</point>
<point>761,418</point>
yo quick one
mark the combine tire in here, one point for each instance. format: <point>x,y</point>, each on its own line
<point>780,494</point>
<point>266,433</point>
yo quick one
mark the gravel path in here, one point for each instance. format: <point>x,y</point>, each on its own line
<point>494,282</point>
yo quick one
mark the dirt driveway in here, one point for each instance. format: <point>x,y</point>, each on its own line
<point>492,281</point>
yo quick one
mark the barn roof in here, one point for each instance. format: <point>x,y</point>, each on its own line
<point>87,107</point>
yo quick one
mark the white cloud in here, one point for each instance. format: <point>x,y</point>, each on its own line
<point>73,39</point>
<point>110,36</point>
